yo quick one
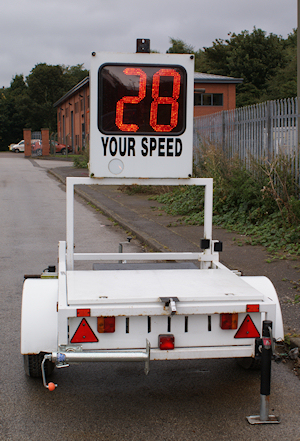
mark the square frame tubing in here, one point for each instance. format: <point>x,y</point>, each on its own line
<point>208,208</point>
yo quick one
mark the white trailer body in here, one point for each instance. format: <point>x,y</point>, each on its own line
<point>178,310</point>
<point>156,306</point>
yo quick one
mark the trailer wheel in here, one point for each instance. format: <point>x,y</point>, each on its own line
<point>249,363</point>
<point>32,365</point>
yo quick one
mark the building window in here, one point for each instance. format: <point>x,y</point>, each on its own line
<point>208,99</point>
<point>77,107</point>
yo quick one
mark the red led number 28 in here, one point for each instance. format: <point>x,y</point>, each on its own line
<point>156,100</point>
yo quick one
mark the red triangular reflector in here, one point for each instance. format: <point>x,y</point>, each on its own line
<point>247,329</point>
<point>84,334</point>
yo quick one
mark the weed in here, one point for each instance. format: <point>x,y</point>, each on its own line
<point>151,190</point>
<point>287,339</point>
<point>82,160</point>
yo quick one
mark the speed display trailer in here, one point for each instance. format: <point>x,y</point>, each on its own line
<point>156,306</point>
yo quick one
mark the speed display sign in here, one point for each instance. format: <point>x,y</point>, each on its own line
<point>141,115</point>
<point>141,99</point>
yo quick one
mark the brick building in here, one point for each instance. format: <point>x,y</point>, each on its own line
<point>212,93</point>
<point>73,116</point>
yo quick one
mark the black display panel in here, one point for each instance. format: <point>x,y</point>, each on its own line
<point>141,99</point>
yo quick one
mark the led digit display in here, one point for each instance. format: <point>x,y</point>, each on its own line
<point>141,99</point>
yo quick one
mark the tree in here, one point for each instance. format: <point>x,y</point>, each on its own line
<point>30,103</point>
<point>14,116</point>
<point>46,84</point>
<point>283,84</point>
<point>179,47</point>
<point>73,75</point>
<point>201,62</point>
<point>254,57</point>
<point>267,63</point>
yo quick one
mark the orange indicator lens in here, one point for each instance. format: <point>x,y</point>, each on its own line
<point>106,324</point>
<point>229,321</point>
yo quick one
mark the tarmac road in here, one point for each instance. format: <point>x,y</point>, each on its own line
<point>188,400</point>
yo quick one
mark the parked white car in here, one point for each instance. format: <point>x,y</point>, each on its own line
<point>20,147</point>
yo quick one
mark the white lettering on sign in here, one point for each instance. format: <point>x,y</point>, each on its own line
<point>121,146</point>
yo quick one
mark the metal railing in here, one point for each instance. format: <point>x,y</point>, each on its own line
<point>260,132</point>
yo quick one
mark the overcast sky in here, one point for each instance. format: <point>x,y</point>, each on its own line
<point>67,31</point>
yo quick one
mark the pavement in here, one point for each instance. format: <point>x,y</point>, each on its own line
<point>147,221</point>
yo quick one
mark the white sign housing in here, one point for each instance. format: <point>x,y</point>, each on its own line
<point>141,120</point>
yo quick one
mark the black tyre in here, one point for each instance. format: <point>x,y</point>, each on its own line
<point>16,150</point>
<point>63,151</point>
<point>33,362</point>
<point>249,363</point>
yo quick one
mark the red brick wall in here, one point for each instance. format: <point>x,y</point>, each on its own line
<point>78,105</point>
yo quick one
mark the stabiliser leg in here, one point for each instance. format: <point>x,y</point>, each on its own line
<point>265,378</point>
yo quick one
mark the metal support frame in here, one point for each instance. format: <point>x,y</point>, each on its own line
<point>206,256</point>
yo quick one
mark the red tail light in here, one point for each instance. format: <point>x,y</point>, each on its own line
<point>247,329</point>
<point>106,324</point>
<point>229,321</point>
<point>83,312</point>
<point>166,342</point>
<point>252,308</point>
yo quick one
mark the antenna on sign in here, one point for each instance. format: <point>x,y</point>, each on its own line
<point>143,45</point>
